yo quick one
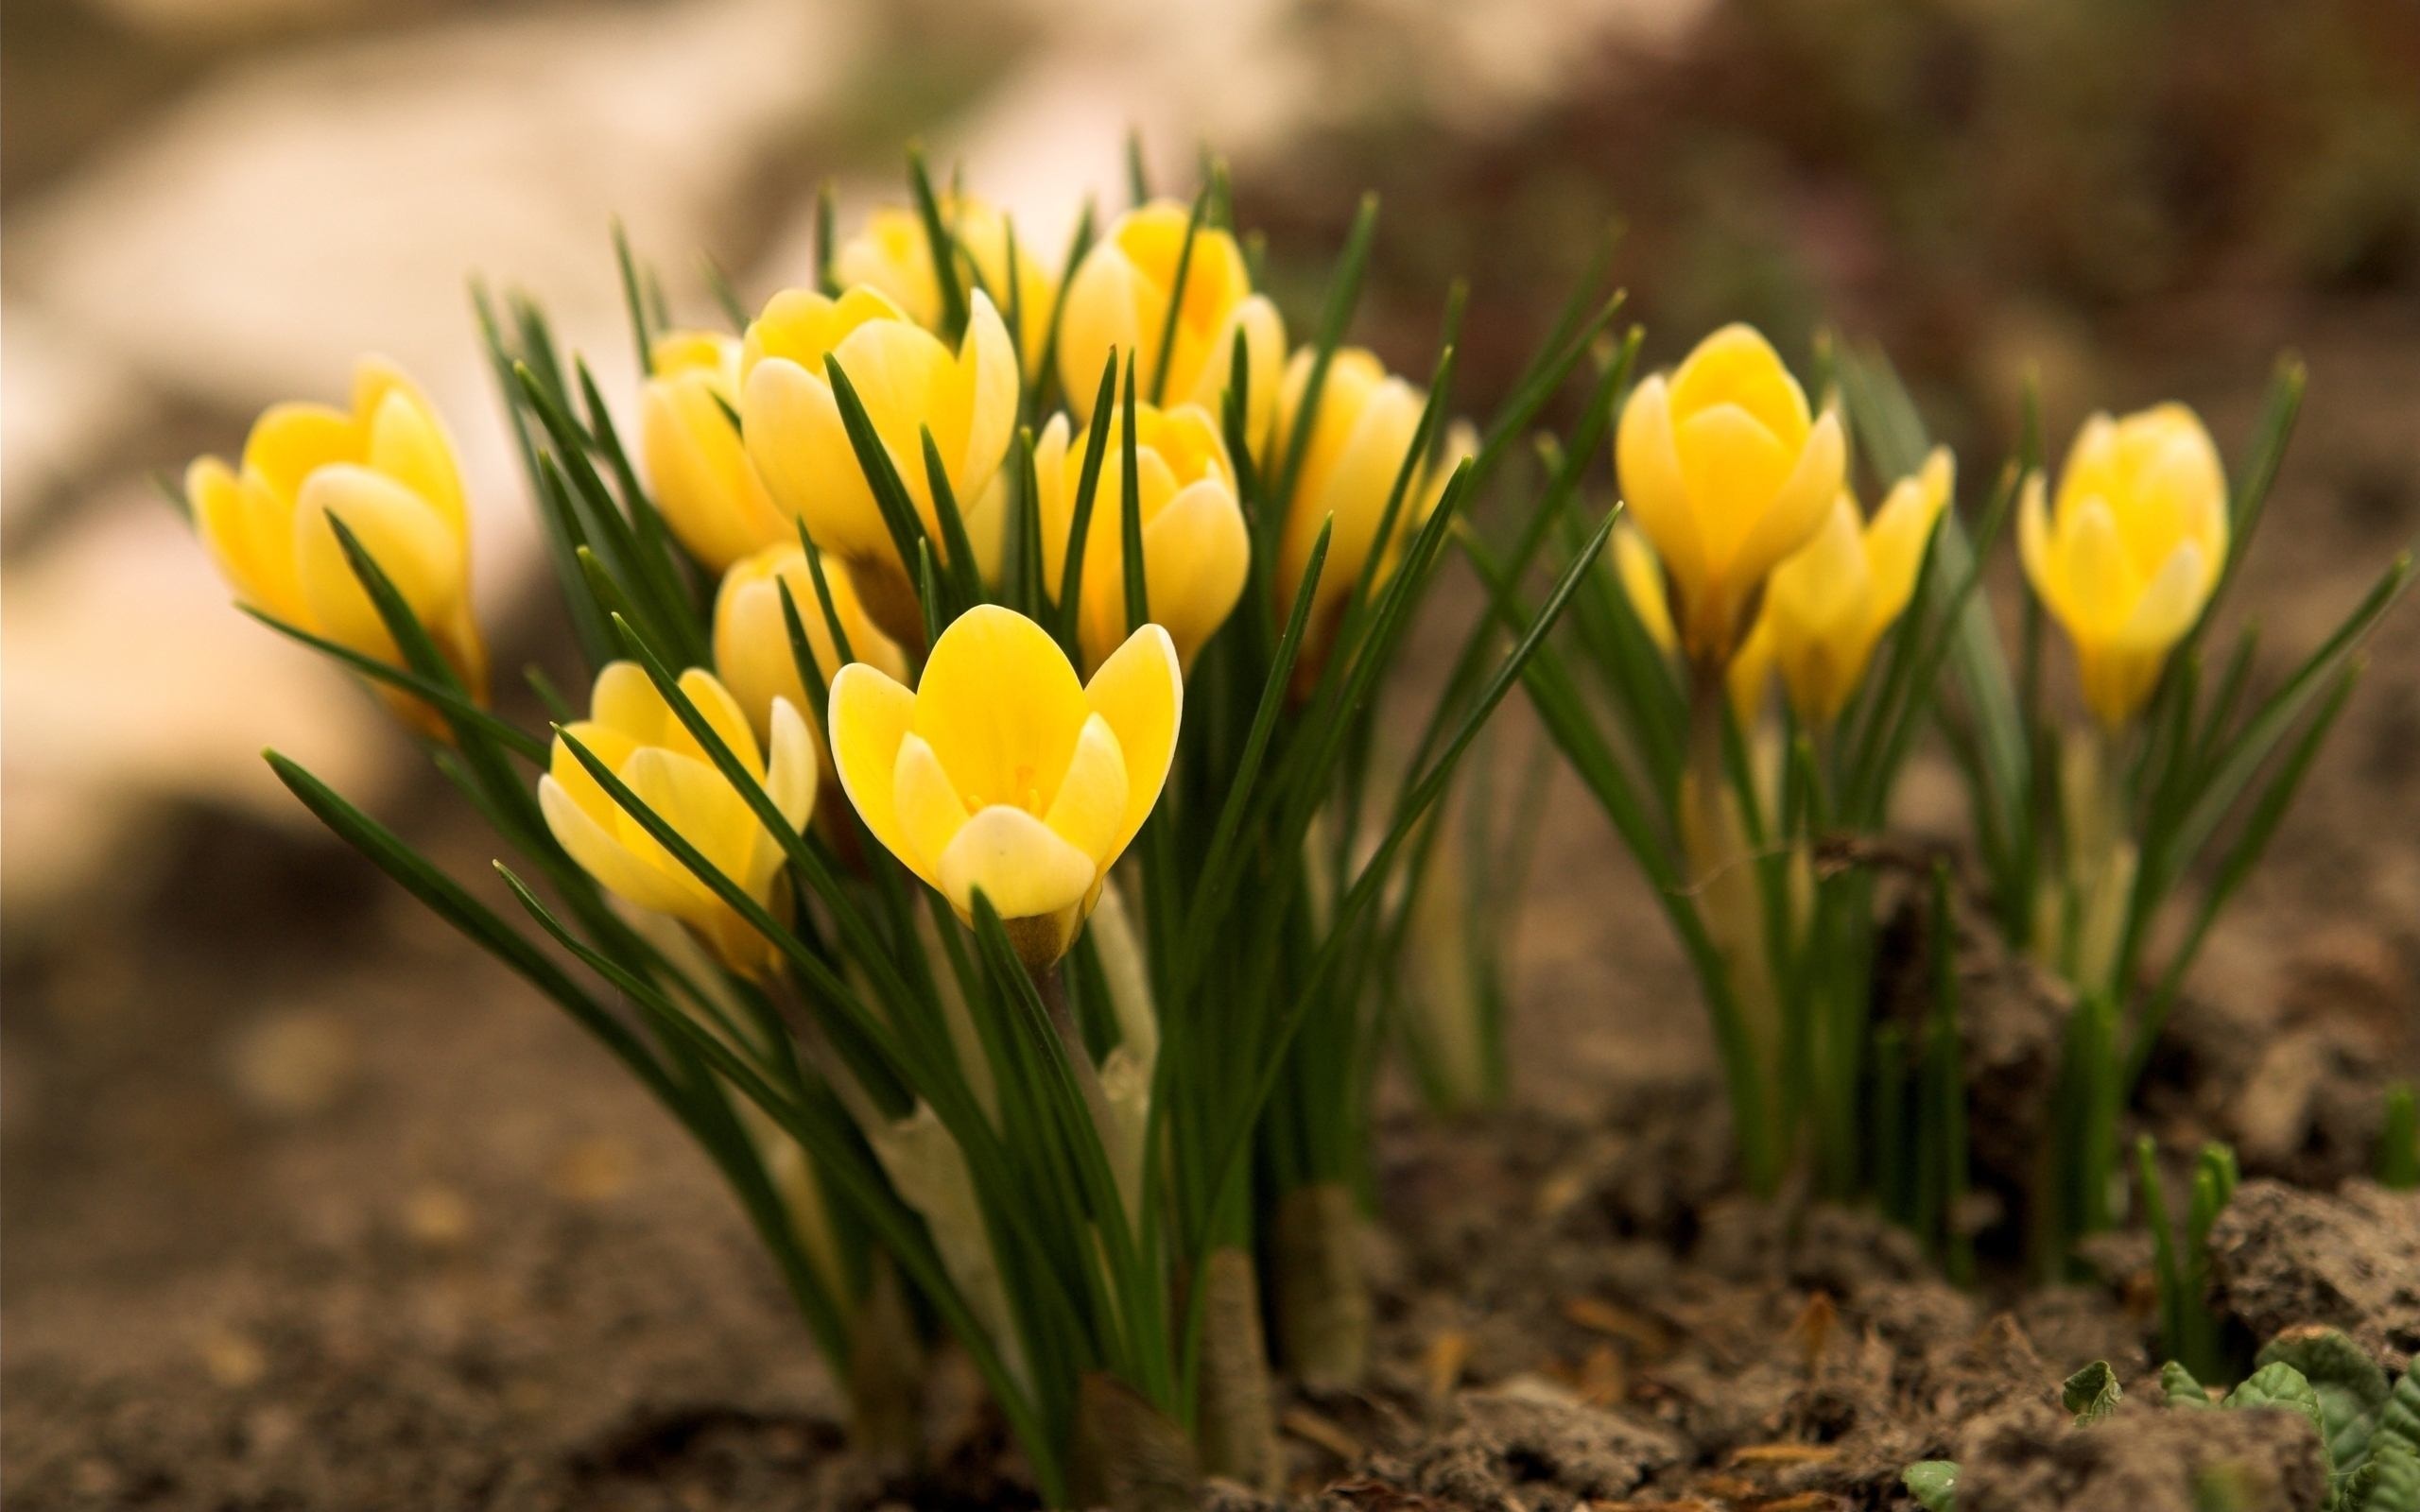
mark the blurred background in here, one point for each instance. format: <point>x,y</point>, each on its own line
<point>295,1185</point>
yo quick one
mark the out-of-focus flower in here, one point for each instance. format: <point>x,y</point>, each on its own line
<point>908,383</point>
<point>1120,299</point>
<point>1196,550</point>
<point>1727,473</point>
<point>1641,579</point>
<point>893,254</point>
<point>636,734</point>
<point>2131,550</point>
<point>1363,429</point>
<point>1826,606</point>
<point>388,471</point>
<point>697,465</point>
<point>752,638</point>
<point>1002,773</point>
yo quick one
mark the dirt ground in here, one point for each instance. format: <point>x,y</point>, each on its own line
<point>310,1206</point>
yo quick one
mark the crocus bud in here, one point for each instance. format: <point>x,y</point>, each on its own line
<point>697,467</point>
<point>1119,299</point>
<point>753,637</point>
<point>1366,421</point>
<point>388,471</point>
<point>1196,550</point>
<point>1002,773</point>
<point>909,383</point>
<point>1826,606</point>
<point>893,254</point>
<point>1727,473</point>
<point>2131,550</point>
<point>636,734</point>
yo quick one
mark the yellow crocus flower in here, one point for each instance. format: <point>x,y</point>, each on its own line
<point>1364,428</point>
<point>753,640</point>
<point>1196,550</point>
<point>1727,472</point>
<point>1119,299</point>
<point>893,254</point>
<point>634,732</point>
<point>1001,772</point>
<point>2131,550</point>
<point>697,465</point>
<point>1640,575</point>
<point>1826,606</point>
<point>908,383</point>
<point>386,468</point>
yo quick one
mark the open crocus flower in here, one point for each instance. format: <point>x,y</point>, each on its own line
<point>2131,550</point>
<point>1196,550</point>
<point>910,383</point>
<point>387,469</point>
<point>1001,773</point>
<point>1826,606</point>
<point>1727,473</point>
<point>893,254</point>
<point>634,731</point>
<point>697,465</point>
<point>752,638</point>
<point>1119,299</point>
<point>1366,421</point>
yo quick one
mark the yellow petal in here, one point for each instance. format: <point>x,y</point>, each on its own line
<point>1054,479</point>
<point>606,744</point>
<point>2036,548</point>
<point>870,716</point>
<point>1140,691</point>
<point>723,712</point>
<point>588,842</point>
<point>625,701</point>
<point>2169,603</point>
<point>1001,707</point>
<point>1897,538</point>
<point>403,534</point>
<point>1648,462</point>
<point>408,443</point>
<point>987,366</point>
<point>1642,582</point>
<point>1734,469</point>
<point>698,470</point>
<point>1101,314</point>
<point>1792,513</point>
<point>1017,861</point>
<point>251,536</point>
<point>2099,582</point>
<point>1197,556</point>
<point>1089,811</point>
<point>791,774</point>
<point>1737,366</point>
<point>931,811</point>
<point>803,452</point>
<point>291,441</point>
<point>705,811</point>
<point>1826,583</point>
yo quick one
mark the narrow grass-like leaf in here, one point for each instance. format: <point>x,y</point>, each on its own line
<point>941,244</point>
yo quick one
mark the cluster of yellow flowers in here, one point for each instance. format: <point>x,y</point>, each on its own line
<point>1750,553</point>
<point>1000,771</point>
